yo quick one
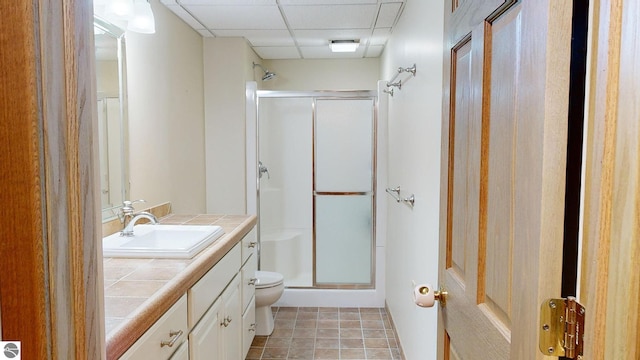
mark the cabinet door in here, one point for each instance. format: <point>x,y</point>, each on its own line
<point>248,327</point>
<point>232,333</point>
<point>204,340</point>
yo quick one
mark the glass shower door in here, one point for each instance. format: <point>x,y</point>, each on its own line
<point>343,192</point>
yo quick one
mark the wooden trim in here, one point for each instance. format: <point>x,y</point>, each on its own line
<point>51,293</point>
<point>23,277</point>
<point>484,162</point>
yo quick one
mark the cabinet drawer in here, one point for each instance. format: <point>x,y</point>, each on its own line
<point>248,327</point>
<point>248,280</point>
<point>210,286</point>
<point>249,244</point>
<point>182,353</point>
<point>171,326</point>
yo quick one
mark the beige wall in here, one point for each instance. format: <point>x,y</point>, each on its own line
<point>107,78</point>
<point>228,65</point>
<point>166,117</point>
<point>414,164</point>
<point>342,74</point>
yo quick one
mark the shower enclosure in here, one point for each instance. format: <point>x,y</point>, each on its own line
<point>316,198</point>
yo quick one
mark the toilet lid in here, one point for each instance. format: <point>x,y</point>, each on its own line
<point>268,279</point>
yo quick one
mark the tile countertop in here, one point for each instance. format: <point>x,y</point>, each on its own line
<point>139,291</point>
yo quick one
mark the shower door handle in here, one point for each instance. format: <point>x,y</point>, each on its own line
<point>262,170</point>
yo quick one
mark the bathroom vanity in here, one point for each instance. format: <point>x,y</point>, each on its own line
<point>185,308</point>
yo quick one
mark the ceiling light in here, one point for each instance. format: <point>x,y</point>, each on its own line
<point>143,20</point>
<point>344,45</point>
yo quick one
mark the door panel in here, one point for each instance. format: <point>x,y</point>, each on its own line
<point>463,224</point>
<point>504,137</point>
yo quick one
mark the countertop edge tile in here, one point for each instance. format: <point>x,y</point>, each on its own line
<point>134,326</point>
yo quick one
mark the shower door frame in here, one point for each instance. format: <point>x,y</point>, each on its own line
<point>326,95</point>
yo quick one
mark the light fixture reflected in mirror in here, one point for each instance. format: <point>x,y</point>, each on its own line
<point>118,10</point>
<point>143,20</point>
<point>132,15</point>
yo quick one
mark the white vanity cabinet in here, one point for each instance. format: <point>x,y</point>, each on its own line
<point>214,320</point>
<point>164,337</point>
<point>248,272</point>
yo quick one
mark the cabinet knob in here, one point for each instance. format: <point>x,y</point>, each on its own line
<point>252,281</point>
<point>252,327</point>
<point>175,335</point>
<point>252,244</point>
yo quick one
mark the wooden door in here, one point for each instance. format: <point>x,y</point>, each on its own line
<point>506,88</point>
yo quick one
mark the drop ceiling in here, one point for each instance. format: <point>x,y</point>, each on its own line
<point>295,29</point>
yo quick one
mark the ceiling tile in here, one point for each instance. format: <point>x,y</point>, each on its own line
<point>226,2</point>
<point>380,36</point>
<point>327,2</point>
<point>238,17</point>
<point>322,37</point>
<point>260,37</point>
<point>388,14</point>
<point>323,52</point>
<point>330,17</point>
<point>277,52</point>
<point>186,17</point>
<point>374,51</point>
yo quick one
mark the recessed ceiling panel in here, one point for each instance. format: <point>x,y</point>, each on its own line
<point>277,52</point>
<point>322,37</point>
<point>260,37</point>
<point>388,14</point>
<point>330,17</point>
<point>238,17</point>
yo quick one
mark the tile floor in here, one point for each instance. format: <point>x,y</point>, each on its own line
<point>328,333</point>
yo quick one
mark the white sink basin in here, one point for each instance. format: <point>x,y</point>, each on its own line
<point>161,241</point>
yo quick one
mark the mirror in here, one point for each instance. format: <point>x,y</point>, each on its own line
<point>112,115</point>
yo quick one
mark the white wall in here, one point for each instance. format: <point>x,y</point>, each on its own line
<point>166,114</point>
<point>414,164</point>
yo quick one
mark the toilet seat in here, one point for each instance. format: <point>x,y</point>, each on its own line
<point>268,279</point>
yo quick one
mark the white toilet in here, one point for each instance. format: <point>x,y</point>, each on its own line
<point>269,288</point>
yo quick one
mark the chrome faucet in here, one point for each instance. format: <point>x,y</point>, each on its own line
<point>128,217</point>
<point>127,212</point>
<point>128,229</point>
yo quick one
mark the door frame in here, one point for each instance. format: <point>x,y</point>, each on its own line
<point>609,279</point>
<point>51,291</point>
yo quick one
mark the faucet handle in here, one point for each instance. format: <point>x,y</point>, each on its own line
<point>127,205</point>
<point>127,209</point>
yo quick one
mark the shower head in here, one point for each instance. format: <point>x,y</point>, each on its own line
<point>267,74</point>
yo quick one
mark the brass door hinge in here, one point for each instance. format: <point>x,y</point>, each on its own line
<point>562,328</point>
